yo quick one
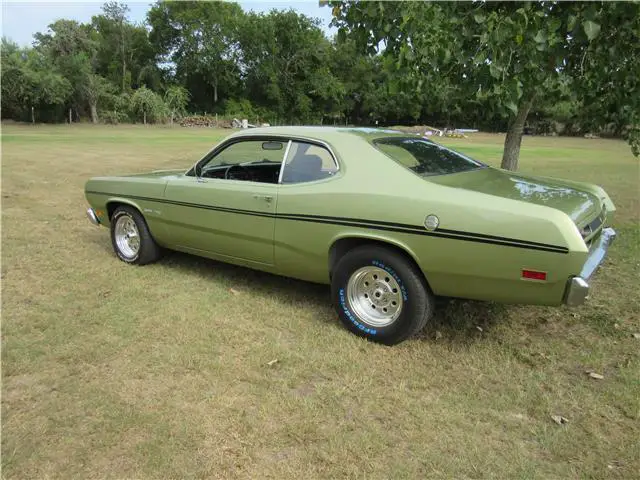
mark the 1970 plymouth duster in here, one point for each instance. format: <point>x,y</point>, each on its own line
<point>389,220</point>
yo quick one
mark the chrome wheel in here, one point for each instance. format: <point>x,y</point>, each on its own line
<point>127,236</point>
<point>374,296</point>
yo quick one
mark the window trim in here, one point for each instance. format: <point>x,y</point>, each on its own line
<point>284,162</point>
<point>317,143</point>
<point>375,142</point>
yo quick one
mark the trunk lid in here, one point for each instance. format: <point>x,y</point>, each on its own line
<point>581,206</point>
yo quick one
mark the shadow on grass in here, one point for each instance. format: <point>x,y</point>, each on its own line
<point>463,321</point>
<point>287,290</point>
<point>455,320</point>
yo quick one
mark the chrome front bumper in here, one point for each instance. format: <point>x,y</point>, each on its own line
<point>577,289</point>
<point>93,218</point>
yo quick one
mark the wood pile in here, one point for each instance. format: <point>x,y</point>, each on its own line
<point>204,121</point>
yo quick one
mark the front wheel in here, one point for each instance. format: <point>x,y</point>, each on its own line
<point>131,238</point>
<point>381,295</point>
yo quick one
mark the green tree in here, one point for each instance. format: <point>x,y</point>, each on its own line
<point>124,56</point>
<point>176,98</point>
<point>286,63</point>
<point>115,29</point>
<point>94,89</point>
<point>29,82</point>
<point>200,39</point>
<point>606,68</point>
<point>69,48</point>
<point>505,56</point>
<point>149,105</point>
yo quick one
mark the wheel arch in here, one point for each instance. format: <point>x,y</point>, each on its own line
<point>341,245</point>
<point>114,203</point>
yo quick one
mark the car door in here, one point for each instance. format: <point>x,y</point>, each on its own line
<point>221,212</point>
<point>303,232</point>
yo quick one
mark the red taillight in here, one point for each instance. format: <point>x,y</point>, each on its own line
<point>533,275</point>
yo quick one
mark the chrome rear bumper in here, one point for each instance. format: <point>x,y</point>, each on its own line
<point>93,218</point>
<point>577,289</point>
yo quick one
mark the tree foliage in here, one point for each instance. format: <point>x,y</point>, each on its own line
<point>148,106</point>
<point>500,55</point>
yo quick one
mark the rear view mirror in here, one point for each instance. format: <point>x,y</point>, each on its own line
<point>272,145</point>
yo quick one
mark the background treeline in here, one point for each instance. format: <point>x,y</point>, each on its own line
<point>279,67</point>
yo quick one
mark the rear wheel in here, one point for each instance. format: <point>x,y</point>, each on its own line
<point>380,294</point>
<point>131,238</point>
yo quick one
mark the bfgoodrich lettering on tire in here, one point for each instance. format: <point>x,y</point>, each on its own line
<point>131,238</point>
<point>380,294</point>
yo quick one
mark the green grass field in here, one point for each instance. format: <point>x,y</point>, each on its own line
<point>113,371</point>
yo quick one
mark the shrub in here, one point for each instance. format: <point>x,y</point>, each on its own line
<point>148,106</point>
<point>113,117</point>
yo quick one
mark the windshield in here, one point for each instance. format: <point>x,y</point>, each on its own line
<point>424,157</point>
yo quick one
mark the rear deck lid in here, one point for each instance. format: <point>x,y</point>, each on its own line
<point>579,205</point>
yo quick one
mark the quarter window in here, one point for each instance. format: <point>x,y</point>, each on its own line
<point>424,157</point>
<point>308,162</point>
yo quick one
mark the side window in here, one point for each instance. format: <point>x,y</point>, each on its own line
<point>249,160</point>
<point>307,162</point>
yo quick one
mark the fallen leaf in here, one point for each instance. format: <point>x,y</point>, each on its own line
<point>616,326</point>
<point>234,291</point>
<point>595,375</point>
<point>438,335</point>
<point>272,362</point>
<point>106,293</point>
<point>636,336</point>
<point>479,328</point>
<point>615,464</point>
<point>559,419</point>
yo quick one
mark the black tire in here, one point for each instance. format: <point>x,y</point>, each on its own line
<point>416,307</point>
<point>149,251</point>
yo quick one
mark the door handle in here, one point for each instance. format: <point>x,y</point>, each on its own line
<point>266,198</point>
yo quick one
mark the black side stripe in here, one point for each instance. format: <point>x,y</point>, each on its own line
<point>421,230</point>
<point>360,223</point>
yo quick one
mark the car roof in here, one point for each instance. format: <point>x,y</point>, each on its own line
<point>321,133</point>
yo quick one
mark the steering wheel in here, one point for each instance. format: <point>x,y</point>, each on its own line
<point>237,165</point>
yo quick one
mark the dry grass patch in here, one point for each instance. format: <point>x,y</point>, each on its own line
<point>162,371</point>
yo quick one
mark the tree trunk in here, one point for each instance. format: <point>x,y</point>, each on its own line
<point>172,117</point>
<point>144,117</point>
<point>513,139</point>
<point>33,116</point>
<point>94,113</point>
<point>124,60</point>
<point>215,93</point>
<point>70,118</point>
<point>124,74</point>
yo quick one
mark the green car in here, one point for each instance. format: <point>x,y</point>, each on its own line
<point>389,220</point>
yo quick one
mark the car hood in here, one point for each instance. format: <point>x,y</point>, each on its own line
<point>578,204</point>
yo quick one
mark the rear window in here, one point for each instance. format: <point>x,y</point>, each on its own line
<point>424,157</point>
